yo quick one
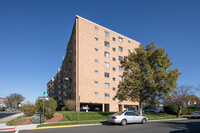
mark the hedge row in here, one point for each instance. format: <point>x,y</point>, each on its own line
<point>174,110</point>
<point>2,109</point>
<point>49,109</point>
<point>28,109</point>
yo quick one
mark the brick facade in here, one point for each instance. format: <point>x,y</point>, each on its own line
<point>85,66</point>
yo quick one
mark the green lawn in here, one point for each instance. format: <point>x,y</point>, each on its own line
<point>159,116</point>
<point>72,116</point>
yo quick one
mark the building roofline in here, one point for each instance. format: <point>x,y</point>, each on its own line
<point>106,28</point>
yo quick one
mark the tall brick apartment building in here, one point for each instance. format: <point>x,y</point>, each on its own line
<point>91,69</point>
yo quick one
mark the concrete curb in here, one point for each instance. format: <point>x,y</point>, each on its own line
<point>23,127</point>
<point>167,120</point>
<point>48,127</point>
<point>82,125</point>
<point>3,127</point>
<point>7,129</point>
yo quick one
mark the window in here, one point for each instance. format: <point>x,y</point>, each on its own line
<point>114,88</point>
<point>131,114</point>
<point>120,77</point>
<point>107,44</point>
<point>113,68</point>
<point>114,39</point>
<point>107,85</point>
<point>96,82</point>
<point>113,49</point>
<point>129,41</point>
<point>129,51</point>
<point>120,49</point>
<point>106,54</point>
<point>96,93</point>
<point>120,39</point>
<point>96,28</point>
<point>106,64</point>
<point>96,38</point>
<point>96,49</point>
<point>120,68</point>
<point>113,99</point>
<point>113,79</point>
<point>120,58</point>
<point>107,75</point>
<point>107,95</point>
<point>95,60</point>
<point>114,59</point>
<point>96,71</point>
<point>106,34</point>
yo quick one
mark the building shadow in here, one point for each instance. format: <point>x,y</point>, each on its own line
<point>184,126</point>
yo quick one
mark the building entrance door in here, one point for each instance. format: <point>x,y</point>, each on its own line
<point>106,107</point>
<point>120,107</point>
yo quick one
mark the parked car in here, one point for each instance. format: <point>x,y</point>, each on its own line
<point>84,108</point>
<point>126,117</point>
<point>159,111</point>
<point>154,110</point>
<point>97,109</point>
<point>195,114</point>
<point>11,110</point>
<point>149,110</point>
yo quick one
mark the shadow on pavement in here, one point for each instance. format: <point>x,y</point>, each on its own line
<point>185,126</point>
<point>114,124</point>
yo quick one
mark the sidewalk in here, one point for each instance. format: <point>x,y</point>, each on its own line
<point>3,127</point>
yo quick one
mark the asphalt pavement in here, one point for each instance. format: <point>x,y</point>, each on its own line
<point>178,126</point>
<point>6,114</point>
<point>7,131</point>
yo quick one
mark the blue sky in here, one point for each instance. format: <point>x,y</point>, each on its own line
<point>34,34</point>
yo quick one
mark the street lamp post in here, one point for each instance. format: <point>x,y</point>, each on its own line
<point>20,109</point>
<point>43,106</point>
<point>44,97</point>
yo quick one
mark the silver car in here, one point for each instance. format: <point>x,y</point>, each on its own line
<point>195,114</point>
<point>126,117</point>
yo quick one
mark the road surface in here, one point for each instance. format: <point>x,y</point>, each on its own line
<point>178,126</point>
<point>6,114</point>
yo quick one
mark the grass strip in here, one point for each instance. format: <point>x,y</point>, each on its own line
<point>71,123</point>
